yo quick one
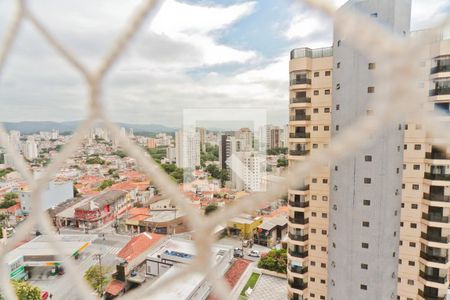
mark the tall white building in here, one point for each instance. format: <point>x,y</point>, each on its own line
<point>54,194</point>
<point>30,150</point>
<point>14,139</point>
<point>187,149</point>
<point>247,171</point>
<point>366,187</point>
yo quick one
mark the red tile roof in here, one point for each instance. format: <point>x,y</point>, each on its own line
<point>138,245</point>
<point>138,211</point>
<point>233,274</point>
<point>115,287</point>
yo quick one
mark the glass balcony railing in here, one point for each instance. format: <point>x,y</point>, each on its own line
<point>432,176</point>
<point>440,91</point>
<point>434,238</point>
<point>300,100</point>
<point>301,254</point>
<point>298,285</point>
<point>436,197</point>
<point>439,69</point>
<point>441,259</point>
<point>429,296</point>
<point>433,278</point>
<point>298,152</point>
<point>437,155</point>
<point>298,237</point>
<point>300,135</point>
<point>301,221</point>
<point>435,217</point>
<point>300,118</point>
<point>301,204</point>
<point>298,269</point>
<point>300,81</point>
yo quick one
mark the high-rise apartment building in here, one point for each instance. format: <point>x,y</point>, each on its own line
<point>187,149</point>
<point>310,72</point>
<point>30,150</point>
<point>425,212</point>
<point>365,192</point>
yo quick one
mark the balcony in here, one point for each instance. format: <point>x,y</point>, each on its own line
<point>301,254</point>
<point>300,118</point>
<point>298,237</point>
<point>428,296</point>
<point>300,135</point>
<point>433,238</point>
<point>435,217</point>
<point>300,81</point>
<point>433,278</point>
<point>298,270</point>
<point>432,176</point>
<point>439,69</point>
<point>434,258</point>
<point>437,155</point>
<point>440,91</point>
<point>301,204</point>
<point>298,285</point>
<point>302,188</point>
<point>301,221</point>
<point>298,152</point>
<point>436,197</point>
<point>300,100</point>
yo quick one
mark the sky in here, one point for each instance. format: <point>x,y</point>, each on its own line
<point>191,55</point>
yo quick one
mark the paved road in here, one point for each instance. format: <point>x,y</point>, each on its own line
<point>236,243</point>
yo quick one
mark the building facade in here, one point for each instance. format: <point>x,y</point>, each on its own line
<point>188,149</point>
<point>309,130</point>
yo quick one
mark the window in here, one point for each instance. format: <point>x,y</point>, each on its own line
<point>338,86</point>
<point>327,73</point>
<point>322,297</point>
<point>314,180</point>
<point>371,66</point>
<point>364,266</point>
<point>315,128</point>
<point>324,198</point>
<point>416,167</point>
<point>316,92</point>
<point>313,230</point>
<point>415,186</point>
<point>414,206</point>
<point>315,146</point>
<point>405,147</point>
<point>313,247</point>
<point>413,225</point>
<point>371,89</point>
<point>323,249</point>
<point>324,232</point>
<point>411,263</point>
<point>315,110</point>
<point>367,180</point>
<point>410,282</point>
<point>365,224</point>
<point>313,263</point>
<point>316,74</point>
<point>368,158</point>
<point>403,205</point>
<point>326,128</point>
<point>365,245</point>
<point>338,65</point>
<point>312,294</point>
<point>313,197</point>
<point>337,106</point>
<point>412,244</point>
<point>406,126</point>
<point>339,43</point>
<point>401,224</point>
<point>363,287</point>
<point>417,146</point>
<point>337,127</point>
<point>324,180</point>
<point>374,15</point>
<point>314,214</point>
<point>324,215</point>
<point>366,202</point>
<point>323,265</point>
<point>327,92</point>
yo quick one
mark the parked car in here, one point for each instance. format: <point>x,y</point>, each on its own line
<point>254,253</point>
<point>238,252</point>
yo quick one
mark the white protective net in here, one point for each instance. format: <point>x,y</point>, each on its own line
<point>398,79</point>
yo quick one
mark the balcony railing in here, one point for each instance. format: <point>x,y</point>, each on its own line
<point>433,278</point>
<point>440,91</point>
<point>301,221</point>
<point>298,152</point>
<point>300,100</point>
<point>427,296</point>
<point>437,155</point>
<point>298,237</point>
<point>300,118</point>
<point>435,217</point>
<point>434,258</point>
<point>301,204</point>
<point>300,81</point>
<point>436,197</point>
<point>433,238</point>
<point>303,188</point>
<point>439,69</point>
<point>298,285</point>
<point>300,135</point>
<point>298,270</point>
<point>301,254</point>
<point>432,176</point>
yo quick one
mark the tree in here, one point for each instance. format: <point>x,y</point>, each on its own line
<point>282,162</point>
<point>105,184</point>
<point>214,171</point>
<point>25,291</point>
<point>11,196</point>
<point>95,161</point>
<point>5,172</point>
<point>96,277</point>
<point>274,260</point>
<point>224,177</point>
<point>9,200</point>
<point>211,208</point>
<point>120,153</point>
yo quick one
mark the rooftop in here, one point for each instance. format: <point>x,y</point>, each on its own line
<point>311,53</point>
<point>138,245</point>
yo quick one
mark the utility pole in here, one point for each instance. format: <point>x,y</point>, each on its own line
<point>98,256</point>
